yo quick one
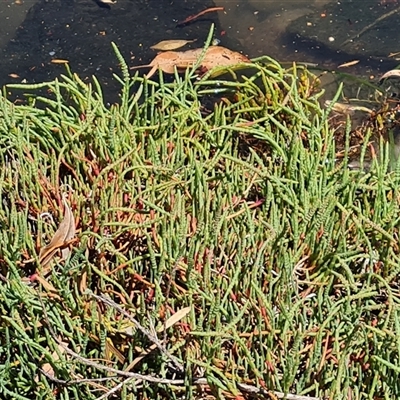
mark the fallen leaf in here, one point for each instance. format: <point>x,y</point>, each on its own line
<point>47,368</point>
<point>172,44</point>
<point>169,60</point>
<point>393,73</point>
<point>349,64</point>
<point>64,233</point>
<point>51,290</point>
<point>214,56</point>
<point>218,56</point>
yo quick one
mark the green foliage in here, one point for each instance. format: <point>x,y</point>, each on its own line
<point>233,205</point>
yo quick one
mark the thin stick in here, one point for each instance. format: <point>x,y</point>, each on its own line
<point>280,395</point>
<point>114,389</point>
<point>154,379</point>
<point>152,338</point>
<point>94,364</point>
<point>176,382</point>
<point>193,17</point>
<point>78,381</point>
<point>368,27</point>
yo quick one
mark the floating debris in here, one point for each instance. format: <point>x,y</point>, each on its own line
<point>172,44</point>
<point>349,64</point>
<point>59,61</point>
<point>214,56</point>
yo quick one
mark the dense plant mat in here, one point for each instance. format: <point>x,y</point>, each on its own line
<point>216,247</point>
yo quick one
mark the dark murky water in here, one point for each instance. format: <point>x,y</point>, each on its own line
<point>33,33</point>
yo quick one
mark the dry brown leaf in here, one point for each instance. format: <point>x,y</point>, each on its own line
<point>172,320</point>
<point>169,60</point>
<point>393,73</point>
<point>47,368</point>
<point>215,56</point>
<point>51,290</point>
<point>218,56</point>
<point>64,233</point>
<point>172,44</point>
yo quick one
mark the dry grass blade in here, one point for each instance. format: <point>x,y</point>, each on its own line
<point>64,233</point>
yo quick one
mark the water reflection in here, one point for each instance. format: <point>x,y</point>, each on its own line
<point>81,32</point>
<point>261,25</point>
<point>294,30</point>
<point>12,14</point>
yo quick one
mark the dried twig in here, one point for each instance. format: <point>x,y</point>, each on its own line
<point>115,389</point>
<point>70,382</point>
<point>203,381</point>
<point>192,18</point>
<point>280,395</point>
<point>149,378</point>
<point>91,363</point>
<point>152,338</point>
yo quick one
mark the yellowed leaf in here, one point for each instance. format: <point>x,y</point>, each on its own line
<point>64,233</point>
<point>172,44</point>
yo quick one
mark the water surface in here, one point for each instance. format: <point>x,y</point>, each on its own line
<point>33,33</point>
